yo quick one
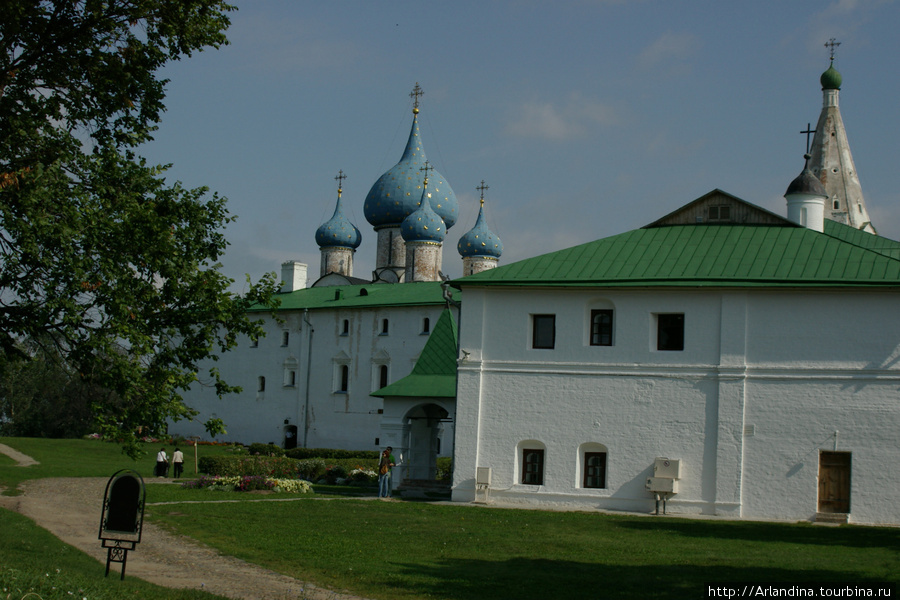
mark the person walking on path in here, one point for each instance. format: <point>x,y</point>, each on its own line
<point>162,462</point>
<point>178,462</point>
<point>384,473</point>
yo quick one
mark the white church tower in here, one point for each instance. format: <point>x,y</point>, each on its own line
<point>831,160</point>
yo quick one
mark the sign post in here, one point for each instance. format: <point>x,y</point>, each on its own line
<point>122,519</point>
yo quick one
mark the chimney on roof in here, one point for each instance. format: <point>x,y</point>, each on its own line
<point>293,276</point>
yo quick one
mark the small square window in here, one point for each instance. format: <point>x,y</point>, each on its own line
<point>719,213</point>
<point>543,334</point>
<point>670,331</point>
<point>533,466</point>
<point>601,327</point>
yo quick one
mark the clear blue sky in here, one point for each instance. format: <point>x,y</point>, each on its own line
<point>586,118</point>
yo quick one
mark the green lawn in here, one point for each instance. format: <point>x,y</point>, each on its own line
<point>35,565</point>
<point>85,458</point>
<point>402,550</point>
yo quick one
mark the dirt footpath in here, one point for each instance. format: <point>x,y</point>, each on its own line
<point>70,509</point>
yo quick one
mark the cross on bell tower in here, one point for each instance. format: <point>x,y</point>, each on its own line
<point>831,45</point>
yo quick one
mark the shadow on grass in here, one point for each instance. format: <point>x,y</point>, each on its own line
<point>536,579</point>
<point>752,531</point>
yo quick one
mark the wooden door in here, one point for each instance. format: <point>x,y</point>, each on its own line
<point>834,482</point>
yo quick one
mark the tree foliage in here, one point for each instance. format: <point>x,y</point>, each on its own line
<point>100,257</point>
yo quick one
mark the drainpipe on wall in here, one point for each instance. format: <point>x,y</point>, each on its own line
<point>309,334</point>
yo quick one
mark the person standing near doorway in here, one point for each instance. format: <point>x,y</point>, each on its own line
<point>384,473</point>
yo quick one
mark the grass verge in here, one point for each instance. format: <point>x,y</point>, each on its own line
<point>404,550</point>
<point>36,565</point>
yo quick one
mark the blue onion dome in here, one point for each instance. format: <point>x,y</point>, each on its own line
<point>424,224</point>
<point>396,194</point>
<point>831,79</point>
<point>480,241</point>
<point>806,183</point>
<point>338,231</point>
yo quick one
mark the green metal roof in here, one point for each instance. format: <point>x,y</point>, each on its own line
<point>711,255</point>
<point>863,239</point>
<point>422,293</point>
<point>434,375</point>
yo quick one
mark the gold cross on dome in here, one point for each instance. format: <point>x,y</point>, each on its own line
<point>340,179</point>
<point>417,91</point>
<point>481,188</point>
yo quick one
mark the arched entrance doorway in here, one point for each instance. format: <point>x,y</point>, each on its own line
<point>425,426</point>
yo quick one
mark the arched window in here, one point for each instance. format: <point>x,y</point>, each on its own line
<point>531,462</point>
<point>533,466</point>
<point>261,384</point>
<point>346,327</point>
<point>345,378</point>
<point>601,327</point>
<point>382,376</point>
<point>384,326</point>
<point>426,325</point>
<point>285,337</point>
<point>593,466</point>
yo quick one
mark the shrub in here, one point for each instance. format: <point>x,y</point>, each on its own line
<point>311,470</point>
<point>266,450</point>
<point>444,468</point>
<point>270,466</point>
<point>330,453</point>
<point>249,483</point>
<point>335,472</point>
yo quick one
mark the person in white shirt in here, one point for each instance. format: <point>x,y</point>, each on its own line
<point>162,463</point>
<point>178,462</point>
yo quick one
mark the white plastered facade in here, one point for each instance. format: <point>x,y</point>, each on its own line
<point>760,390</point>
<point>311,404</point>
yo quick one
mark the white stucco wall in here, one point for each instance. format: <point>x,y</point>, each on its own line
<point>757,392</point>
<point>337,419</point>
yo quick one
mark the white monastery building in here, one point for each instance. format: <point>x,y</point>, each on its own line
<point>722,360</point>
<point>337,340</point>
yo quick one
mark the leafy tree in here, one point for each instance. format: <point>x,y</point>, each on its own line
<point>99,255</point>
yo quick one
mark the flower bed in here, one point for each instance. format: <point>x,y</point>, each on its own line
<point>249,483</point>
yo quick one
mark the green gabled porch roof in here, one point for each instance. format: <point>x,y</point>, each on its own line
<point>434,375</point>
<point>704,254</point>
<point>363,296</point>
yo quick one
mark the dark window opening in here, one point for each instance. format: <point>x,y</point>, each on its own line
<point>543,333</point>
<point>382,376</point>
<point>601,327</point>
<point>594,470</point>
<point>345,378</point>
<point>670,332</point>
<point>719,213</point>
<point>533,466</point>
